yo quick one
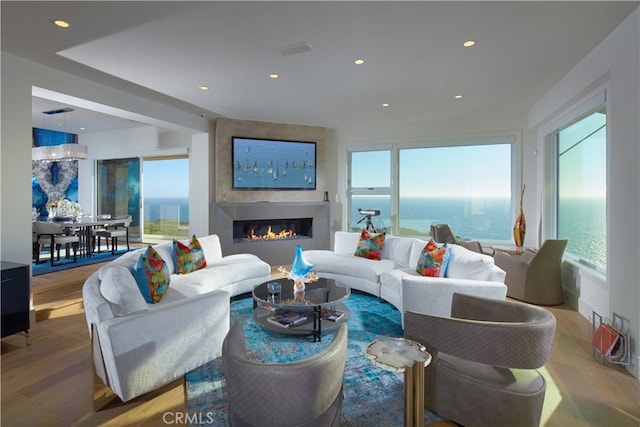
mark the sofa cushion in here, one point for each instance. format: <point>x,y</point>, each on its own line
<point>397,249</point>
<point>348,265</point>
<point>433,260</point>
<point>370,245</point>
<point>152,275</point>
<point>188,258</point>
<point>119,288</point>
<point>466,264</point>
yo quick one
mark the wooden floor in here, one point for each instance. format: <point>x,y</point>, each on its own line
<point>49,383</point>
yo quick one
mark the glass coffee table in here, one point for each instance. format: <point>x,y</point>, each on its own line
<point>319,307</point>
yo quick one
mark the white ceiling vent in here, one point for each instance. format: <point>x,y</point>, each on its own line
<point>295,49</point>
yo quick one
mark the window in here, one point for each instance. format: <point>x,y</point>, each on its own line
<point>370,188</point>
<point>467,187</point>
<point>581,159</point>
<point>165,183</point>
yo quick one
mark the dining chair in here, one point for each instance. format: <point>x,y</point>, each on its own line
<point>114,231</point>
<point>97,229</point>
<point>55,235</point>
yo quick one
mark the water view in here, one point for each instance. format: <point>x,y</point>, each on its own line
<point>490,219</point>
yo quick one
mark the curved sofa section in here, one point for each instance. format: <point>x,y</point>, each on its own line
<point>138,347</point>
<point>394,277</point>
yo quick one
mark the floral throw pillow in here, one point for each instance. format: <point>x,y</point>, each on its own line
<point>370,246</point>
<point>152,275</point>
<point>188,258</point>
<point>433,260</point>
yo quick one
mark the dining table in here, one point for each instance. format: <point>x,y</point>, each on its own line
<point>84,227</point>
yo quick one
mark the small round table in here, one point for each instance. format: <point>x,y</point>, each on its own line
<point>410,357</point>
<point>319,300</point>
<point>508,249</point>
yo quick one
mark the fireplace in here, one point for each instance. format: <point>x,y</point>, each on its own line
<point>272,230</point>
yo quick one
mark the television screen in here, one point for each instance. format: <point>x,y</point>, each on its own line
<point>267,164</point>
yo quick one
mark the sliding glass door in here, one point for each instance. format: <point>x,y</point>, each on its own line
<point>165,183</point>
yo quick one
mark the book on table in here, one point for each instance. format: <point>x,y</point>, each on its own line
<point>287,318</point>
<point>332,315</point>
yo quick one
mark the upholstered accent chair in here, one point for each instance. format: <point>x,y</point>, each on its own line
<point>55,236</point>
<point>442,233</point>
<point>303,393</point>
<point>535,276</point>
<point>485,360</point>
<point>114,231</point>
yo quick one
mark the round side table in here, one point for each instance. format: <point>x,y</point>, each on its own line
<point>410,357</point>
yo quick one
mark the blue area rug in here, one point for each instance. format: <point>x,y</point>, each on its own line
<point>372,395</point>
<point>44,266</point>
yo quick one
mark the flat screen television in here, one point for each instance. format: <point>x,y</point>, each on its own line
<point>270,164</point>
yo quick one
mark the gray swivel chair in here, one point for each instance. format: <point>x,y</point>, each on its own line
<point>535,276</point>
<point>484,360</point>
<point>303,393</point>
<point>442,233</point>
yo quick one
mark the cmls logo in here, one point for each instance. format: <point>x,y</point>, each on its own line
<point>180,418</point>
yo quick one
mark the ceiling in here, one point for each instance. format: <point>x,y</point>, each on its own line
<point>413,52</point>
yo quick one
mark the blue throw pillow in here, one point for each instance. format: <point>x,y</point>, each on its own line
<point>152,275</point>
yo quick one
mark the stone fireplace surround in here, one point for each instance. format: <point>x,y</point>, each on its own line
<point>274,252</point>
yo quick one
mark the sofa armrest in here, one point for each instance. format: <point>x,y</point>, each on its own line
<point>142,352</point>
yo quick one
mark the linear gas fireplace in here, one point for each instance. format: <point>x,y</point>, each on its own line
<point>272,230</point>
<point>257,230</point>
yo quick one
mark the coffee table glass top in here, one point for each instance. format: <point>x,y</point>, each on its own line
<point>321,293</point>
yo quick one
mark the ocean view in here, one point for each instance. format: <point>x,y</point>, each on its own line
<point>491,219</point>
<point>168,208</point>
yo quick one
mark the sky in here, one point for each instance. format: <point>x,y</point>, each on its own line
<point>461,171</point>
<point>165,178</point>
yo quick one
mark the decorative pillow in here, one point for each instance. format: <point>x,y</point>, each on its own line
<point>433,260</point>
<point>152,275</point>
<point>370,246</point>
<point>188,258</point>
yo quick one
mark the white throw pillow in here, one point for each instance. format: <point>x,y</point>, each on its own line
<point>119,288</point>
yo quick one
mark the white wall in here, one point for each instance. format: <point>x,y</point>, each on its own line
<point>616,61</point>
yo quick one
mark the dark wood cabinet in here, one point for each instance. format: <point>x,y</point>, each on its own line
<point>15,299</point>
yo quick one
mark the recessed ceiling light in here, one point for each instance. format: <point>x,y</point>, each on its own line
<point>273,76</point>
<point>62,24</point>
<point>204,87</point>
<point>359,61</point>
<point>83,128</point>
<point>386,104</point>
<point>458,97</point>
<point>469,43</point>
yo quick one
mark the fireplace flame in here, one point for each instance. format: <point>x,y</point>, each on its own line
<point>270,235</point>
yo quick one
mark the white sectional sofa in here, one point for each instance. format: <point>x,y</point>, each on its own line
<point>394,277</point>
<point>139,347</point>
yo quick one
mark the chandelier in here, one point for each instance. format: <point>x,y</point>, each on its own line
<point>59,153</point>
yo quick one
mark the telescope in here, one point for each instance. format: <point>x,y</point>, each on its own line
<point>369,212</point>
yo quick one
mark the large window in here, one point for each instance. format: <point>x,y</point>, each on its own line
<point>370,188</point>
<point>467,187</point>
<point>581,188</point>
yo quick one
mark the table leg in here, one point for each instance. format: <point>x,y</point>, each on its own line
<point>414,395</point>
